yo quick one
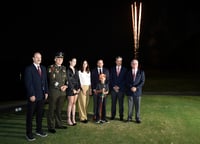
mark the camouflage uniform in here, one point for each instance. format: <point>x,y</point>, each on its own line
<point>57,78</point>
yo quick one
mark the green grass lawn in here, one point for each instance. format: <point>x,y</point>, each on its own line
<point>172,82</point>
<point>166,119</point>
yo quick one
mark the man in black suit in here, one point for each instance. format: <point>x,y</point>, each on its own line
<point>35,78</point>
<point>135,81</point>
<point>117,87</point>
<point>95,80</point>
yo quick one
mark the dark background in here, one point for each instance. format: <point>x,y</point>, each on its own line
<point>98,29</point>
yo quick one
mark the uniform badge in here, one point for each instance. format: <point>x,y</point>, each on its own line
<point>56,84</point>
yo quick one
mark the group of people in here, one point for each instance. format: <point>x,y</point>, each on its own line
<point>57,84</point>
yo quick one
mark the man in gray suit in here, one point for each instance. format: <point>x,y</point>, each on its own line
<point>135,81</point>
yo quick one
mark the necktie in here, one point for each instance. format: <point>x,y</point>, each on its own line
<point>118,71</point>
<point>133,74</point>
<point>100,71</point>
<point>39,71</point>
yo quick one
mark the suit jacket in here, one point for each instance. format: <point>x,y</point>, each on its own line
<point>120,80</point>
<point>35,84</point>
<point>138,82</point>
<point>95,77</point>
<point>73,80</point>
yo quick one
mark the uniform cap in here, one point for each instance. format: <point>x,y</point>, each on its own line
<point>59,55</point>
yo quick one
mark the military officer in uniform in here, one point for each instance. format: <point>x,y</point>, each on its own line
<point>57,93</point>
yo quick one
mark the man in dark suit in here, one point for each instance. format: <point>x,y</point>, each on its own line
<point>135,81</point>
<point>35,78</point>
<point>95,80</point>
<point>117,87</point>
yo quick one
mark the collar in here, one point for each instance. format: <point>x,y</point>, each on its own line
<point>36,65</point>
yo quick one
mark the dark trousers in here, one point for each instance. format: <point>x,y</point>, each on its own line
<point>37,108</point>
<point>94,105</point>
<point>117,96</point>
<point>134,103</point>
<point>101,108</point>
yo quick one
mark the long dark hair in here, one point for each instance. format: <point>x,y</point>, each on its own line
<point>87,68</point>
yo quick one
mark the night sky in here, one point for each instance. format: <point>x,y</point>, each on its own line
<point>170,33</point>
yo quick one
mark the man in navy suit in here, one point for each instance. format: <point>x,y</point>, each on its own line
<point>135,81</point>
<point>117,87</point>
<point>95,80</point>
<point>35,78</point>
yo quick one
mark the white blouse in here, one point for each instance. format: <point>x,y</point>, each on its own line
<point>85,78</point>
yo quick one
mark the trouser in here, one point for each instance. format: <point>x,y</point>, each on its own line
<point>134,103</point>
<point>94,104</point>
<point>83,101</point>
<point>101,108</point>
<point>114,97</point>
<point>56,103</point>
<point>37,108</point>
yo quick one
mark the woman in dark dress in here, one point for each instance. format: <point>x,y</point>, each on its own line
<point>72,91</point>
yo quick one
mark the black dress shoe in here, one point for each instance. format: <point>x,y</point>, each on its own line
<point>61,127</point>
<point>52,130</point>
<point>138,121</point>
<point>112,118</point>
<point>84,121</point>
<point>74,124</point>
